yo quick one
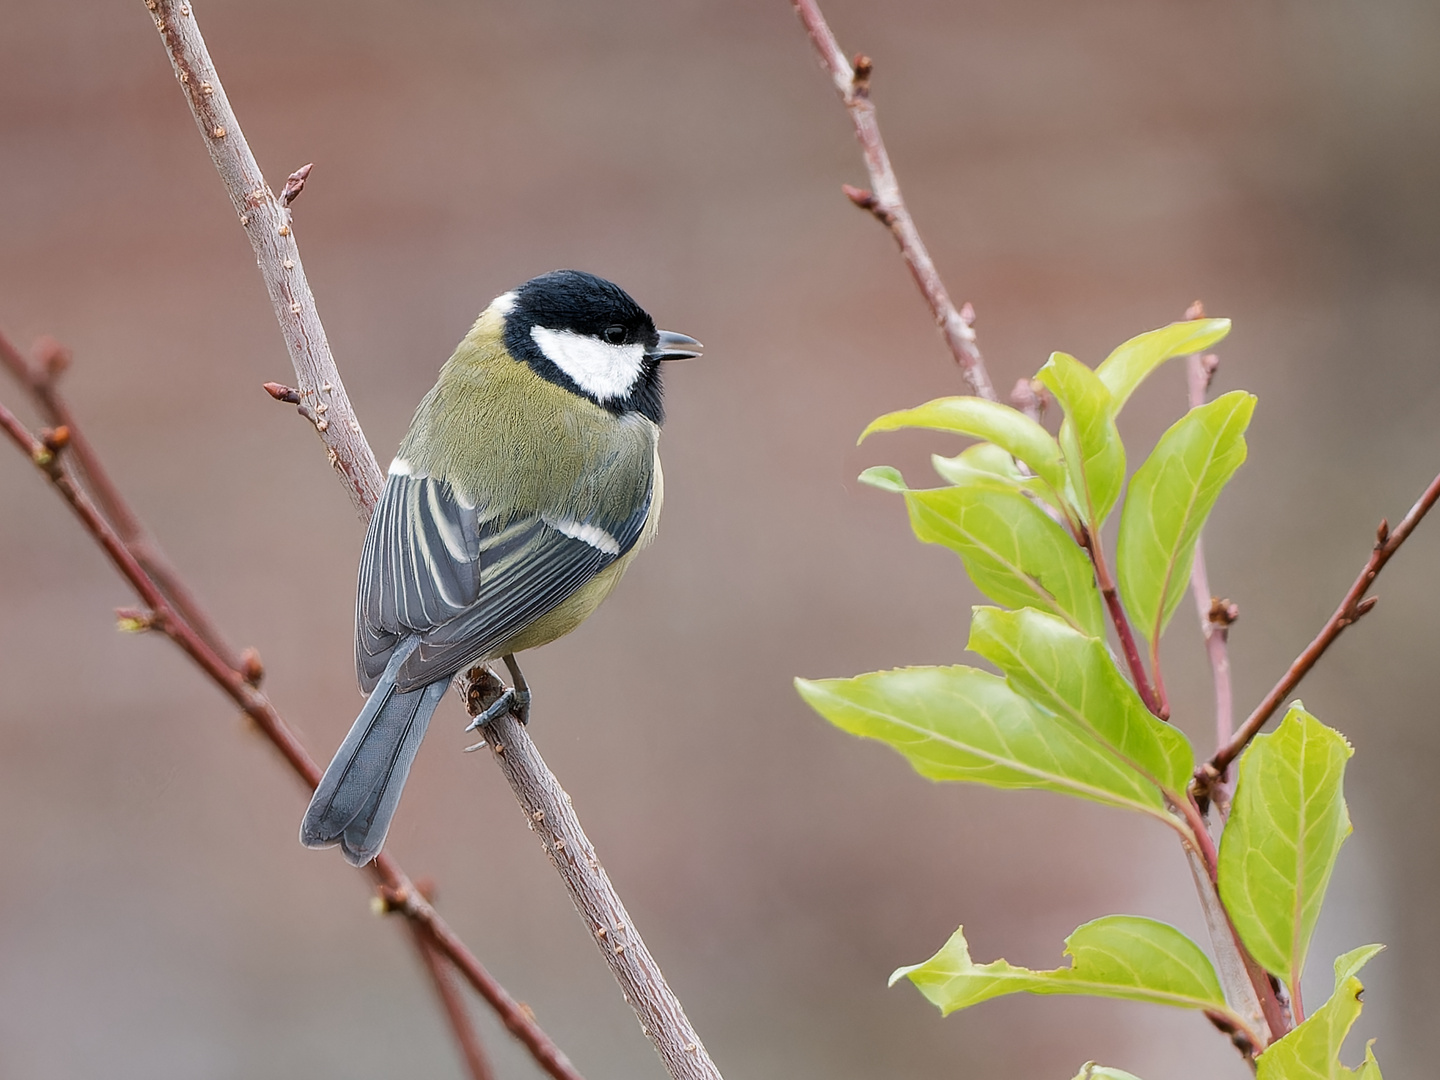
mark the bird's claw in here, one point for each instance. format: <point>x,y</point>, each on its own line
<point>498,708</point>
<point>511,701</point>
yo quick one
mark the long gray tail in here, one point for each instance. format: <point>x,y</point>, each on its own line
<point>358,794</point>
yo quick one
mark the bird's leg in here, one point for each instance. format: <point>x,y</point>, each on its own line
<point>520,704</point>
<point>514,699</point>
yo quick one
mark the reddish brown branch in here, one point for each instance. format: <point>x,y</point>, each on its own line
<point>454,1005</point>
<point>1128,645</point>
<point>884,200</point>
<point>1351,609</point>
<point>163,616</point>
<point>40,379</point>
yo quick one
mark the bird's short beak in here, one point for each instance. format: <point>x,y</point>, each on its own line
<point>673,346</point>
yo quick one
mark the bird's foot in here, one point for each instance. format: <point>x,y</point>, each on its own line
<point>498,708</point>
<point>520,704</point>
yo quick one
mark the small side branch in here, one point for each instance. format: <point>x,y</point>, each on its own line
<point>40,378</point>
<point>1354,605</point>
<point>267,222</point>
<point>1128,646</point>
<point>451,1001</point>
<point>1215,614</point>
<point>885,202</point>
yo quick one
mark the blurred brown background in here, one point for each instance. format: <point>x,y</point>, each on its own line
<point>1082,172</point>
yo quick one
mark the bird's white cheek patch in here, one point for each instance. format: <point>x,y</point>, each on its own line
<point>603,370</point>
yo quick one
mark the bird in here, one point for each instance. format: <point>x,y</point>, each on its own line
<point>529,479</point>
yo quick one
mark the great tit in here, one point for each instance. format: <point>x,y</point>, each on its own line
<point>529,479</point>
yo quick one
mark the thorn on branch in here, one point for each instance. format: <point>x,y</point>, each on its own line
<point>860,78</point>
<point>281,392</point>
<point>295,184</point>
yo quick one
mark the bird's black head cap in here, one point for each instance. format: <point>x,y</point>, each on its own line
<point>586,334</point>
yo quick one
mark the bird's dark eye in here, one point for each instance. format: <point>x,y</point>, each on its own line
<point>615,335</point>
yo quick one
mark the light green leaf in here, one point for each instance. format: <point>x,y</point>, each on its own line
<point>1074,677</point>
<point>1013,551</point>
<point>1119,956</point>
<point>959,723</point>
<point>1094,454</point>
<point>1092,1071</point>
<point>1170,497</point>
<point>1287,823</point>
<point>1127,367</point>
<point>986,461</point>
<point>1312,1050</point>
<point>884,477</point>
<point>991,421</point>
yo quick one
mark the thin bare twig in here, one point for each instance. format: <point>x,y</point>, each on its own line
<point>1215,614</point>
<point>268,225</point>
<point>885,202</point>
<point>1351,609</point>
<point>40,378</point>
<point>162,616</point>
<point>470,1049</point>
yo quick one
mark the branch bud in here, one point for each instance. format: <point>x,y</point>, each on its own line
<point>860,76</point>
<point>281,392</point>
<point>251,668</point>
<point>295,184</point>
<point>134,620</point>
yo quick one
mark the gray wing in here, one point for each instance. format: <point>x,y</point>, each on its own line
<point>466,583</point>
<point>420,567</point>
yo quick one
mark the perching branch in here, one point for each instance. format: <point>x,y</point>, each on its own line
<point>49,453</point>
<point>266,221</point>
<point>323,401</point>
<point>1352,607</point>
<point>662,1017</point>
<point>885,202</point>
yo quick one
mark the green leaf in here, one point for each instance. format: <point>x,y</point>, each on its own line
<point>1170,497</point>
<point>1128,366</point>
<point>991,421</point>
<point>959,723</point>
<point>1119,956</point>
<point>1312,1050</point>
<point>1092,1071</point>
<point>1012,550</point>
<point>1094,454</point>
<point>1286,826</point>
<point>1074,677</point>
